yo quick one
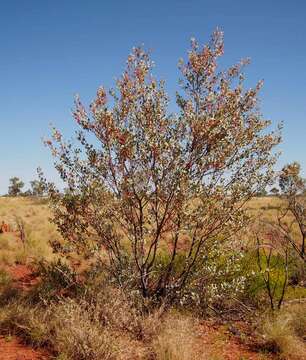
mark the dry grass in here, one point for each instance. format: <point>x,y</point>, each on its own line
<point>177,339</point>
<point>38,231</point>
<point>285,332</point>
<point>268,209</point>
<point>78,334</point>
<point>106,323</point>
<point>102,324</point>
<point>28,322</point>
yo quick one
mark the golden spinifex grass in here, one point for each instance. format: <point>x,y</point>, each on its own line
<point>285,331</point>
<point>34,214</point>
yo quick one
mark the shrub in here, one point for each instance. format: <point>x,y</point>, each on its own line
<point>293,186</point>
<point>57,279</point>
<point>218,281</point>
<point>15,186</point>
<point>158,182</point>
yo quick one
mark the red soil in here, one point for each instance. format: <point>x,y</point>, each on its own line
<point>14,349</point>
<point>23,277</point>
<point>220,343</point>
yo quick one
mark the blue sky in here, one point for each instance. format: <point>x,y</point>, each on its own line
<point>50,50</point>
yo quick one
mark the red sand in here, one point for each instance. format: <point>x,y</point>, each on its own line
<point>23,276</point>
<point>14,349</point>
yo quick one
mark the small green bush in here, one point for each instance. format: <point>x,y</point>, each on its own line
<point>219,280</point>
<point>57,279</point>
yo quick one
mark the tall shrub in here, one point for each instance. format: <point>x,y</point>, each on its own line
<point>144,184</point>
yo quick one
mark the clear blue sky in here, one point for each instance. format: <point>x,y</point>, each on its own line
<point>50,50</point>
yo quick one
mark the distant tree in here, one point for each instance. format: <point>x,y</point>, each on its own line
<point>37,188</point>
<point>293,187</point>
<point>261,192</point>
<point>154,188</point>
<point>27,193</point>
<point>15,187</point>
<point>274,191</point>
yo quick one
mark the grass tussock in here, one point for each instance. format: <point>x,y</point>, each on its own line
<point>285,332</point>
<point>31,323</point>
<point>102,325</point>
<point>177,339</point>
<point>79,334</point>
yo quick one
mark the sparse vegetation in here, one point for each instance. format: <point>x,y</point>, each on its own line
<point>73,304</point>
<point>164,244</point>
<point>284,332</point>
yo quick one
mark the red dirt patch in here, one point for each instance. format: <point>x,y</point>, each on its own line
<point>23,277</point>
<point>220,343</point>
<point>13,349</point>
